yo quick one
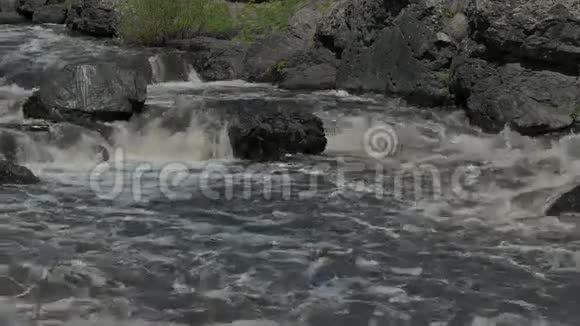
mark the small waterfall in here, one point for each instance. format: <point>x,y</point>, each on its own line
<point>86,73</point>
<point>193,76</point>
<point>157,68</point>
<point>180,134</point>
<point>167,67</point>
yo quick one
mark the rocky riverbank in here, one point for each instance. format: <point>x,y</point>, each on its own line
<point>512,64</point>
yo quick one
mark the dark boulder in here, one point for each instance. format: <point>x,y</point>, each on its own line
<point>52,14</point>
<point>311,70</point>
<point>214,59</point>
<point>351,21</point>
<point>264,55</point>
<point>542,33</point>
<point>93,17</point>
<point>567,203</point>
<point>271,133</point>
<point>391,47</point>
<point>89,93</point>
<point>28,7</point>
<point>530,102</point>
<point>11,173</point>
<point>310,77</point>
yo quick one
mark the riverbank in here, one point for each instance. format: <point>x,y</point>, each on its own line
<point>510,64</point>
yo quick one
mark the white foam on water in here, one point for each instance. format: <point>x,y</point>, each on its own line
<point>13,91</point>
<point>155,142</point>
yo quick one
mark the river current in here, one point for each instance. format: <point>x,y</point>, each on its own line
<point>410,217</point>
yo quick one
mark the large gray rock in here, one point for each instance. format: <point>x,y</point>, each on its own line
<point>310,70</point>
<point>94,17</point>
<point>540,33</point>
<point>530,102</point>
<point>264,57</point>
<point>351,21</point>
<point>53,14</point>
<point>11,173</point>
<point>214,59</point>
<point>103,92</point>
<point>391,47</point>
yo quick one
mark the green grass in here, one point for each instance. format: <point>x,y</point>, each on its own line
<point>257,20</point>
<point>152,22</point>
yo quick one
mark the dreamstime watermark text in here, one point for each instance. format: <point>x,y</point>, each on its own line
<point>219,181</point>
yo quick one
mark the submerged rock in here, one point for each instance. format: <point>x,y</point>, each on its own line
<point>12,173</point>
<point>530,102</point>
<point>89,93</point>
<point>569,202</point>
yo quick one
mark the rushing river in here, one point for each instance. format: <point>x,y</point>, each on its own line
<point>411,217</point>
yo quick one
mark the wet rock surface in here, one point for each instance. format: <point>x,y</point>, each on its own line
<point>567,203</point>
<point>12,173</point>
<point>103,92</point>
<point>269,134</point>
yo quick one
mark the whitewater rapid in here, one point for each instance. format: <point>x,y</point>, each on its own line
<point>363,247</point>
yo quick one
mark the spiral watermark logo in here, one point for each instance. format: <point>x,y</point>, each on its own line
<point>381,141</point>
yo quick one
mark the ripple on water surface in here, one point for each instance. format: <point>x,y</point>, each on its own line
<point>203,249</point>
